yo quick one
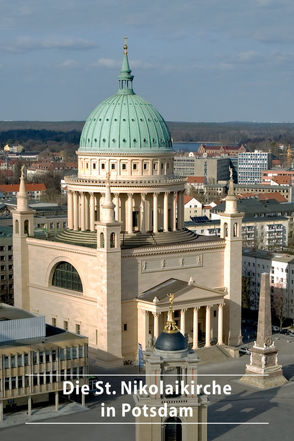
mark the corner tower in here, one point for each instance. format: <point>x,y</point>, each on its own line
<point>109,264</point>
<point>23,226</point>
<point>231,231</point>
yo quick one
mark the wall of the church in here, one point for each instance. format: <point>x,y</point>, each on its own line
<point>84,309</point>
<point>142,272</point>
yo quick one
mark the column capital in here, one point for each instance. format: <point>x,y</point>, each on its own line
<point>130,195</point>
<point>156,314</point>
<point>196,308</point>
<point>208,307</point>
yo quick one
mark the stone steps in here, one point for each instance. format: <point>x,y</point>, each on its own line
<point>128,240</point>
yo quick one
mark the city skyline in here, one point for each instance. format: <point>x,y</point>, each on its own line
<point>195,61</point>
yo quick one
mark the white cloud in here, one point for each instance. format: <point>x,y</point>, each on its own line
<point>24,44</point>
<point>111,63</point>
<point>69,63</point>
<point>248,56</point>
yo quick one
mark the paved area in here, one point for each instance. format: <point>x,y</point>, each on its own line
<point>245,405</point>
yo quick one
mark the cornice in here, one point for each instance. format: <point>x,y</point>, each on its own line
<point>171,249</point>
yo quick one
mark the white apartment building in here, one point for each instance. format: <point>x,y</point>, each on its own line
<point>251,165</point>
<point>281,269</point>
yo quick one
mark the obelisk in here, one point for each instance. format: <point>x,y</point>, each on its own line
<point>264,370</point>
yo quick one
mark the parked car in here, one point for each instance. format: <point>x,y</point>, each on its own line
<point>244,350</point>
<point>284,331</point>
<point>275,329</point>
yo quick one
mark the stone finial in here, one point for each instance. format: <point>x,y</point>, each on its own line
<point>191,281</point>
<point>107,212</point>
<point>22,197</point>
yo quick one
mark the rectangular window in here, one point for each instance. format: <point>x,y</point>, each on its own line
<point>65,325</point>
<point>124,166</point>
<point>80,351</point>
<point>61,354</point>
<point>12,361</point>
<point>26,359</point>
<point>103,166</point>
<point>145,166</point>
<point>94,166</point>
<point>19,360</point>
<point>54,321</point>
<point>125,327</point>
<point>112,166</point>
<point>41,357</point>
<point>78,329</point>
<point>68,354</point>
<point>74,353</point>
<point>134,166</point>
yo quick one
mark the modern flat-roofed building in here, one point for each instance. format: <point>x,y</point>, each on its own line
<point>251,165</point>
<point>268,233</point>
<point>35,358</point>
<point>6,265</point>
<point>281,269</point>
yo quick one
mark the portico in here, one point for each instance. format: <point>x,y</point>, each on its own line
<point>198,314</point>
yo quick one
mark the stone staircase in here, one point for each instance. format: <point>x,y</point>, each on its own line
<point>135,240</point>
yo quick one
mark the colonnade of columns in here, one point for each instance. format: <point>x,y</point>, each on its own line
<point>155,211</point>
<point>208,334</point>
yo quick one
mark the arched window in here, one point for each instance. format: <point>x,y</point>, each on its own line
<point>112,240</point>
<point>225,229</point>
<point>235,229</point>
<point>66,276</point>
<point>102,241</point>
<point>173,429</point>
<point>26,227</point>
<point>16,226</point>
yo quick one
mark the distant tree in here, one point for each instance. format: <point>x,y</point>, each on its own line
<point>245,292</point>
<point>278,304</point>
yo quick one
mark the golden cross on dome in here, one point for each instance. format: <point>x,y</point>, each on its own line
<point>125,46</point>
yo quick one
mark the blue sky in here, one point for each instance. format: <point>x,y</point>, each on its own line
<point>195,60</point>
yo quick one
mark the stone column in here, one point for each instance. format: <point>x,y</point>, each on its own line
<point>155,212</point>
<point>1,410</point>
<point>76,211</point>
<point>130,213</point>
<point>207,326</point>
<point>56,401</point>
<point>165,212</point>
<point>82,208</point>
<point>83,400</point>
<point>180,210</point>
<point>174,226</point>
<point>156,325</point>
<point>143,214</point>
<point>29,406</point>
<point>183,321</point>
<point>116,203</point>
<point>92,212</point>
<point>69,210</point>
<point>195,327</point>
<point>97,198</point>
<point>220,325</point>
<point>146,329</point>
<point>87,226</point>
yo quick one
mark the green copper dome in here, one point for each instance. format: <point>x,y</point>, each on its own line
<point>125,122</point>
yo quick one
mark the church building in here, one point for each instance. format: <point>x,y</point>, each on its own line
<point>125,248</point>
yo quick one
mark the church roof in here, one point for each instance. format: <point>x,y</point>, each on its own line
<point>125,122</point>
